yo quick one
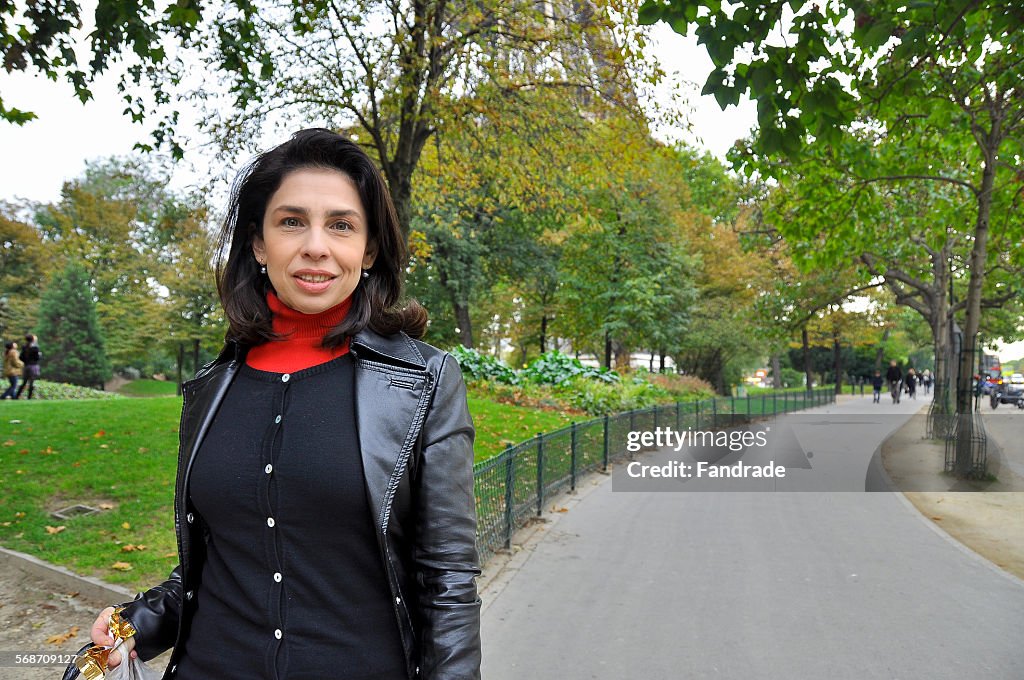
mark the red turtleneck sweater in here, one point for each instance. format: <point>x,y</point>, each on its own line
<point>302,334</point>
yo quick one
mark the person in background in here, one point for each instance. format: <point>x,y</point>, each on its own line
<point>12,369</point>
<point>911,381</point>
<point>926,380</point>
<point>876,386</point>
<point>894,377</point>
<point>31,356</point>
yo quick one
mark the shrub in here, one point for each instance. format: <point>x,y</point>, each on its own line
<point>555,368</point>
<point>52,391</point>
<point>477,366</point>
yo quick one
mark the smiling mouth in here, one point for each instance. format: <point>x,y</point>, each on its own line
<point>314,278</point>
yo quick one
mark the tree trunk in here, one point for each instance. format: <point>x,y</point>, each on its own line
<point>195,356</point>
<point>607,350</point>
<point>837,351</point>
<point>181,362</point>
<point>880,352</point>
<point>807,358</point>
<point>464,323</point>
<point>543,331</point>
<point>661,361</point>
<point>776,371</point>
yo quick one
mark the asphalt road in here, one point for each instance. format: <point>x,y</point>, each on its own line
<point>784,585</point>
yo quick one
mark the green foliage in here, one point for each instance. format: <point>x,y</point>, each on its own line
<point>556,368</point>
<point>69,331</point>
<point>55,391</point>
<point>149,388</point>
<point>478,366</point>
<point>597,397</point>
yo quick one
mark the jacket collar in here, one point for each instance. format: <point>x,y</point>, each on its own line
<point>367,343</point>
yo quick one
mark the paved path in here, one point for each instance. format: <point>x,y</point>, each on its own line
<point>785,585</point>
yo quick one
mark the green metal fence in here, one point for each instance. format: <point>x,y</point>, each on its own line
<point>514,485</point>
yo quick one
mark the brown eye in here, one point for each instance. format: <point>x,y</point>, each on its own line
<point>290,222</point>
<point>341,226</point>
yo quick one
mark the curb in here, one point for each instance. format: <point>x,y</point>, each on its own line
<point>89,587</point>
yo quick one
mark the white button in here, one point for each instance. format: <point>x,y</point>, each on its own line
<point>269,468</point>
<point>277,419</point>
<point>398,600</point>
<point>270,521</point>
<point>174,669</point>
<point>190,517</point>
<point>286,377</point>
<point>277,577</point>
<point>188,595</point>
<point>278,633</point>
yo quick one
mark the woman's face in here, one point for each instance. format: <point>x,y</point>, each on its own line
<point>315,240</point>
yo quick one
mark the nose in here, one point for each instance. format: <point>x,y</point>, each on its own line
<point>315,244</point>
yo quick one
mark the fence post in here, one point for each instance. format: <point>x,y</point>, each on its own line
<point>748,405</point>
<point>656,409</point>
<point>540,473</point>
<point>632,419</point>
<point>510,480</point>
<point>604,456</point>
<point>678,425</point>
<point>714,412</point>
<point>572,459</point>
<point>775,397</point>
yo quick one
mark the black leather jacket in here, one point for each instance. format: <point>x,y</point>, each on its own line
<point>416,438</point>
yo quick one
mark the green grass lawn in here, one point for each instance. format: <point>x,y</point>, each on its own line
<point>149,388</point>
<point>120,455</point>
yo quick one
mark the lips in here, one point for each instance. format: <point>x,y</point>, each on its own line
<point>313,281</point>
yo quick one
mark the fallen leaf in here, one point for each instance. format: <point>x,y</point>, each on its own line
<point>174,554</point>
<point>100,433</point>
<point>143,449</point>
<point>106,506</point>
<point>132,548</point>
<point>9,442</point>
<point>126,525</point>
<point>937,519</point>
<point>6,524</point>
<point>63,637</point>
<point>19,515</point>
<point>121,566</point>
<point>104,446</point>
<point>55,530</point>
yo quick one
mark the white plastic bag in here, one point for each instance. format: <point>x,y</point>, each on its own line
<point>129,668</point>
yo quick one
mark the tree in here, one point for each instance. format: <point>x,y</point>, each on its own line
<point>69,331</point>
<point>395,74</point>
<point>23,261</point>
<point>908,74</point>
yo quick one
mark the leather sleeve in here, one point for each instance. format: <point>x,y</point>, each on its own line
<point>445,559</point>
<point>155,615</point>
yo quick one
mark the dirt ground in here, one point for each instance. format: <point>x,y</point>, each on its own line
<point>37,617</point>
<point>986,516</point>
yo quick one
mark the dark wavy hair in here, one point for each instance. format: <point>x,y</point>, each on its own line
<point>243,289</point>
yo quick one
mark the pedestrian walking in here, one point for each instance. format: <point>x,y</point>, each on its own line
<point>876,387</point>
<point>894,377</point>
<point>927,381</point>
<point>325,494</point>
<point>31,356</point>
<point>12,369</point>
<point>911,381</point>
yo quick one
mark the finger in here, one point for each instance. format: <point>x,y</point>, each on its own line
<point>100,634</point>
<point>114,660</point>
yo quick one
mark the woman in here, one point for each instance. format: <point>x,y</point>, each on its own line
<point>12,369</point>
<point>324,504</point>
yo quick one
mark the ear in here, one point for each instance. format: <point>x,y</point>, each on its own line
<point>370,255</point>
<point>259,249</point>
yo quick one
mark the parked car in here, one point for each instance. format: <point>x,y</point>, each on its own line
<point>1010,392</point>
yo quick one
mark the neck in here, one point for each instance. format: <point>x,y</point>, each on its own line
<point>301,336</point>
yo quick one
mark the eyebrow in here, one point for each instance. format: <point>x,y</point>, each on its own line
<point>330,213</point>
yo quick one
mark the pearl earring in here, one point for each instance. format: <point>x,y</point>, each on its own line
<point>366,273</point>
<point>263,269</point>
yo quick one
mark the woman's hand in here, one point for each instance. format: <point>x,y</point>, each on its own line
<point>101,637</point>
